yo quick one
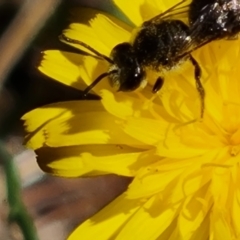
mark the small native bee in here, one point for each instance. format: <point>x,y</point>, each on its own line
<point>161,44</point>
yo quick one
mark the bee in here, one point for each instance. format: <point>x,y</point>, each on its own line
<point>161,44</point>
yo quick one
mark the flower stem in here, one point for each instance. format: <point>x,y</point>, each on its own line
<point>18,212</point>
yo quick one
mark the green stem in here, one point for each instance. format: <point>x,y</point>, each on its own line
<point>18,212</point>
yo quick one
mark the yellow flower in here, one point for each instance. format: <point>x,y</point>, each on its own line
<point>186,170</point>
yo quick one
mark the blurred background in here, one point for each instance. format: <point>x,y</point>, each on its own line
<point>55,206</point>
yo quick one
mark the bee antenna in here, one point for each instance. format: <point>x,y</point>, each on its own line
<point>70,40</point>
<point>96,81</point>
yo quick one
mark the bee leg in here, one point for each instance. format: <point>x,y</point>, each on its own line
<point>158,84</point>
<point>200,89</point>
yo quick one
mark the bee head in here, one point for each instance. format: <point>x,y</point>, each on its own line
<point>127,74</point>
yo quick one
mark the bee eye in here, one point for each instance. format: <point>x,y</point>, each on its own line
<point>127,79</point>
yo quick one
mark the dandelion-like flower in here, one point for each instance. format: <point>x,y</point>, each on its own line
<point>185,170</point>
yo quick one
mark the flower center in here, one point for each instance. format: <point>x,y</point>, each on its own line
<point>231,124</point>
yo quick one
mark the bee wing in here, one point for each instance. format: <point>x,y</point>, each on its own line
<point>179,11</point>
<point>196,29</point>
<point>195,41</point>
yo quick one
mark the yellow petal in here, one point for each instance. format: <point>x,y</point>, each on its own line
<point>87,128</point>
<point>38,119</point>
<point>139,11</point>
<point>64,161</point>
<point>92,160</point>
<point>106,223</point>
<point>193,221</point>
<point>102,34</point>
<point>144,185</point>
<point>124,105</point>
<point>63,67</point>
<point>162,135</point>
<point>220,228</point>
<point>91,69</point>
<point>148,131</point>
<point>131,9</point>
<point>182,176</point>
<point>235,212</point>
<point>150,221</point>
<point>116,104</point>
